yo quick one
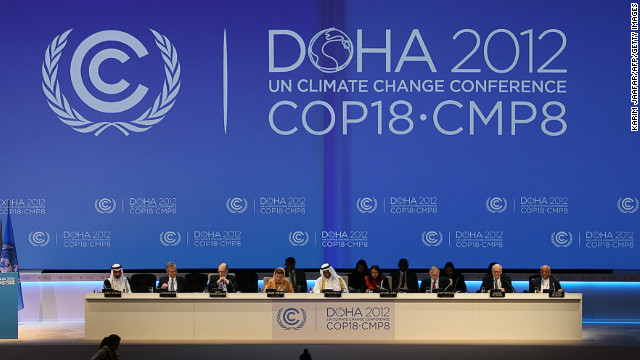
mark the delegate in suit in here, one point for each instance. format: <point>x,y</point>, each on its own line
<point>545,281</point>
<point>223,280</point>
<point>497,280</point>
<point>171,281</point>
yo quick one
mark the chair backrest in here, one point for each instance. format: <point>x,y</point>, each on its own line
<point>345,278</point>
<point>195,282</point>
<point>389,282</point>
<point>247,281</point>
<point>142,282</point>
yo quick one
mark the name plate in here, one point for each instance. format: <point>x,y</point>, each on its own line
<point>332,293</point>
<point>275,294</point>
<point>217,293</point>
<point>108,293</point>
<point>388,294</point>
<point>556,294</point>
<point>496,293</point>
<point>446,294</point>
<point>168,294</point>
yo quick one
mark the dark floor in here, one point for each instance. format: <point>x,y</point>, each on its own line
<point>600,341</point>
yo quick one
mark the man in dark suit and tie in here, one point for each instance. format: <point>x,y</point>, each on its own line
<point>404,280</point>
<point>223,280</point>
<point>298,277</point>
<point>171,282</point>
<point>435,282</point>
<point>497,280</point>
<point>545,281</point>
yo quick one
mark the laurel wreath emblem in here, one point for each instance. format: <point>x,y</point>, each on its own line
<point>287,328</point>
<point>68,115</point>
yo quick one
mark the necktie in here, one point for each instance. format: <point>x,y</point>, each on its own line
<point>434,285</point>
<point>495,284</point>
<point>402,282</point>
<point>171,286</point>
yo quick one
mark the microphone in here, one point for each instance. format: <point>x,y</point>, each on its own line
<point>509,283</point>
<point>448,286</point>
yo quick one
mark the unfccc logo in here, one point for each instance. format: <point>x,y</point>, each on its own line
<point>628,205</point>
<point>105,205</point>
<point>496,204</point>
<point>432,238</point>
<point>298,238</point>
<point>291,318</point>
<point>170,238</point>
<point>236,205</point>
<point>72,117</point>
<point>366,205</point>
<point>561,238</point>
<point>39,238</point>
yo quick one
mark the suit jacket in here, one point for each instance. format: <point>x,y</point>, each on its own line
<point>458,283</point>
<point>412,280</point>
<point>443,282</point>
<point>301,280</point>
<point>180,283</point>
<point>536,282</point>
<point>232,286</point>
<point>487,283</point>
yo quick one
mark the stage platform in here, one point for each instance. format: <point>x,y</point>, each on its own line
<point>65,340</point>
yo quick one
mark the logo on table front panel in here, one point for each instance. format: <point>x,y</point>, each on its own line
<point>291,318</point>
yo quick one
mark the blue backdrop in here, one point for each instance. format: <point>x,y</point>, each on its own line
<point>199,132</point>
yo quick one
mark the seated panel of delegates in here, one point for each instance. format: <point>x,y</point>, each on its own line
<point>223,280</point>
<point>455,277</point>
<point>329,280</point>
<point>497,280</point>
<point>375,281</point>
<point>298,277</point>
<point>357,276</point>
<point>171,281</point>
<point>545,281</point>
<point>279,282</point>
<point>117,281</point>
<point>435,282</point>
<point>404,280</point>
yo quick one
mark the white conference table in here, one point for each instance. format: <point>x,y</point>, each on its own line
<point>254,317</point>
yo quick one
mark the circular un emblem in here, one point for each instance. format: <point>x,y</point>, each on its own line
<point>291,318</point>
<point>68,115</point>
<point>366,205</point>
<point>432,238</point>
<point>170,238</point>
<point>496,204</point>
<point>561,238</point>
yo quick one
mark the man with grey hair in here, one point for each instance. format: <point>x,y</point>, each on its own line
<point>497,280</point>
<point>545,281</point>
<point>435,282</point>
<point>172,282</point>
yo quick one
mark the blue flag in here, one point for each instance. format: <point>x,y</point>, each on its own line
<point>9,257</point>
